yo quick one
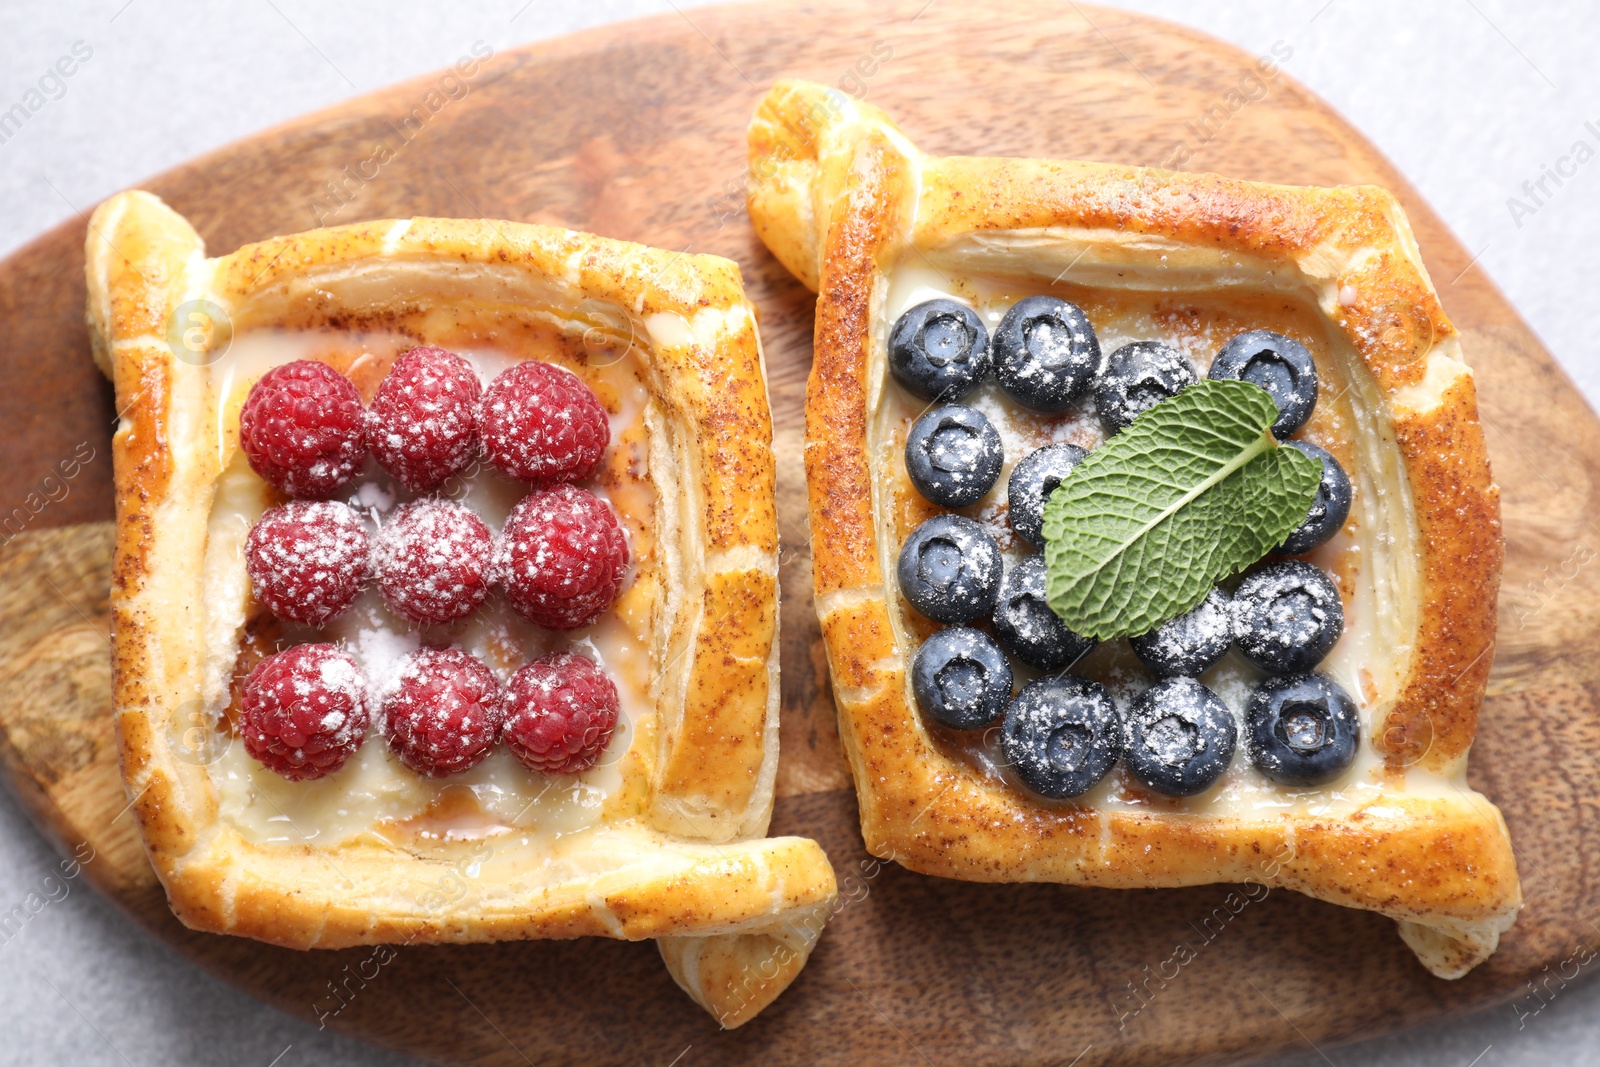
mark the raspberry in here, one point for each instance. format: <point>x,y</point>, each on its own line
<point>304,711</point>
<point>432,560</point>
<point>307,560</point>
<point>541,424</point>
<point>301,428</point>
<point>421,425</point>
<point>561,557</point>
<point>560,711</point>
<point>442,713</point>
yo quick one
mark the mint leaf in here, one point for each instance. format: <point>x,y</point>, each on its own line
<point>1194,490</point>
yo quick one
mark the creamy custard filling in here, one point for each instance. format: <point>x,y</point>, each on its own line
<point>374,798</point>
<point>1371,558</point>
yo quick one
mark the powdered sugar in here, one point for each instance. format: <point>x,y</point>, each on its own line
<point>561,557</point>
<point>422,425</point>
<point>541,424</point>
<point>301,428</point>
<point>1026,626</point>
<point>1287,616</point>
<point>341,678</point>
<point>560,711</point>
<point>1139,376</point>
<point>308,560</point>
<point>304,711</point>
<point>445,563</point>
<point>1191,643</point>
<point>442,714</point>
<point>431,560</point>
<point>375,497</point>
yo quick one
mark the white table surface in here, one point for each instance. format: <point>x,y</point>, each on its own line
<point>1470,98</point>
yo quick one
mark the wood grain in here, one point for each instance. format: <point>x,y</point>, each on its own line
<point>636,131</point>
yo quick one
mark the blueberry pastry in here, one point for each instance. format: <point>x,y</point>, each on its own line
<point>1236,433</point>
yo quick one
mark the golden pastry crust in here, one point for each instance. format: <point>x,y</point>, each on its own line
<point>843,199</point>
<point>680,856</point>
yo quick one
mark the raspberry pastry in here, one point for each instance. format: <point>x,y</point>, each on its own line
<point>468,579</point>
<point>1154,537</point>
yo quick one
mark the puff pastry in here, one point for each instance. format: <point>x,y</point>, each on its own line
<point>666,841</point>
<point>849,205</point>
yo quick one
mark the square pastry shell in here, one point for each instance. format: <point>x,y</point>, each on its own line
<point>844,199</point>
<point>684,860</point>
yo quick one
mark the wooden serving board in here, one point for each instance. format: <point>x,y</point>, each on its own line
<point>637,131</point>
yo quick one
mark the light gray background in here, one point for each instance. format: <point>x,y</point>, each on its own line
<point>1470,98</point>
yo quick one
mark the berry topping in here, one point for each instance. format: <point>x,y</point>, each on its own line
<point>1190,643</point>
<point>953,455</point>
<point>441,713</point>
<point>1330,508</point>
<point>540,424</point>
<point>1181,737</point>
<point>1026,626</point>
<point>1045,353</point>
<point>300,427</point>
<point>307,560</point>
<point>431,559</point>
<point>961,679</point>
<point>1281,366</point>
<point>421,426</point>
<point>1030,485</point>
<point>1287,616</point>
<point>1138,377</point>
<point>560,711</point>
<point>1302,730</point>
<point>1062,735</point>
<point>561,557</point>
<point>939,350</point>
<point>950,569</point>
<point>303,712</point>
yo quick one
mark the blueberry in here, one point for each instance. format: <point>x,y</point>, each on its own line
<point>961,678</point>
<point>1280,365</point>
<point>1026,626</point>
<point>1045,353</point>
<point>1062,735</point>
<point>1191,643</point>
<point>939,350</point>
<point>953,455</point>
<point>1030,485</point>
<point>1302,730</point>
<point>950,569</point>
<point>1287,616</point>
<point>1181,737</point>
<point>1138,377</point>
<point>1328,510</point>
